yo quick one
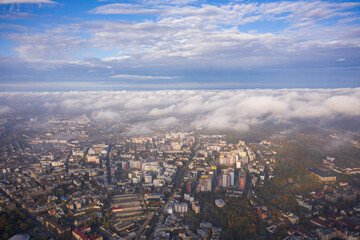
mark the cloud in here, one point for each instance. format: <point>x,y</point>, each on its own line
<point>341,59</point>
<point>5,109</point>
<point>118,58</point>
<point>186,37</point>
<point>43,46</point>
<point>166,122</point>
<point>140,130</point>
<point>235,110</point>
<point>123,8</point>
<point>106,115</point>
<point>141,77</point>
<point>211,43</point>
<point>25,1</point>
<point>343,104</point>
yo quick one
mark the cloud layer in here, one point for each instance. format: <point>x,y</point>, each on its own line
<point>237,110</point>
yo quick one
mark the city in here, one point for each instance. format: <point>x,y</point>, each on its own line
<point>179,119</point>
<point>72,180</point>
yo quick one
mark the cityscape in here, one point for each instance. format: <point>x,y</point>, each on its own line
<point>179,120</point>
<point>69,177</point>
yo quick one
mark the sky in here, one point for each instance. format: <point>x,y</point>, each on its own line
<point>89,45</point>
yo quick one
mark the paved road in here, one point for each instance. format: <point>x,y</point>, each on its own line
<point>108,164</point>
<point>141,229</point>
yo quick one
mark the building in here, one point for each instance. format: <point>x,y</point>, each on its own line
<point>205,184</point>
<point>227,177</point>
<point>242,179</point>
<point>219,203</point>
<point>262,213</point>
<point>323,176</point>
<point>117,209</point>
<point>188,187</point>
<point>228,158</point>
<point>93,159</point>
<point>326,234</point>
<point>154,196</point>
<point>80,234</point>
<point>196,207</point>
<point>333,198</point>
<point>148,178</point>
<point>135,164</point>
<point>293,218</point>
<point>20,237</point>
<point>60,230</point>
<point>181,207</point>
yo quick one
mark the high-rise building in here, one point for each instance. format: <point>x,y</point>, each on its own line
<point>135,164</point>
<point>205,184</point>
<point>124,165</point>
<point>188,187</point>
<point>227,177</point>
<point>196,207</point>
<point>181,207</point>
<point>242,179</point>
<point>232,177</point>
<point>238,163</point>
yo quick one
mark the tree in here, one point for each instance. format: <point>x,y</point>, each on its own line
<point>5,236</point>
<point>23,226</point>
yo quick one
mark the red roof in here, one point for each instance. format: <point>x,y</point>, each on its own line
<point>302,232</point>
<point>335,216</point>
<point>96,237</point>
<point>320,222</point>
<point>348,224</point>
<point>261,213</point>
<point>83,228</point>
<point>80,234</point>
<point>116,208</point>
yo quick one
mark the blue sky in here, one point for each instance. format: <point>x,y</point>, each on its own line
<point>63,45</point>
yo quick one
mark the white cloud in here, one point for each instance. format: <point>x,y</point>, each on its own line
<point>55,44</point>
<point>140,130</point>
<point>118,58</point>
<point>203,36</point>
<point>142,77</point>
<point>123,8</point>
<point>166,122</point>
<point>343,104</point>
<point>341,59</point>
<point>238,110</point>
<point>106,115</point>
<point>25,1</point>
<point>168,2</point>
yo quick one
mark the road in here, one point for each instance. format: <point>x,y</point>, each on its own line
<point>108,164</point>
<point>180,175</point>
<point>68,161</point>
<point>141,229</point>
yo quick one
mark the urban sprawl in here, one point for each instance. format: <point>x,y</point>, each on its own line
<point>71,180</point>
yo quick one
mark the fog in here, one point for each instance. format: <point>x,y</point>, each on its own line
<point>237,110</point>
